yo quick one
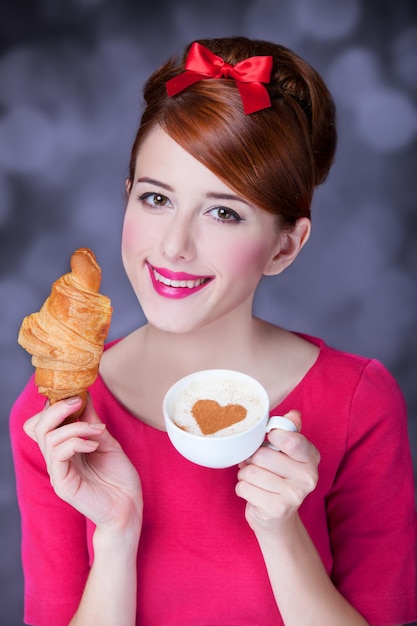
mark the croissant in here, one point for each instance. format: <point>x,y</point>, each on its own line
<point>66,337</point>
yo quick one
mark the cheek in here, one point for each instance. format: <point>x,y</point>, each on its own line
<point>135,234</point>
<point>128,234</point>
<point>132,244</point>
<point>248,257</point>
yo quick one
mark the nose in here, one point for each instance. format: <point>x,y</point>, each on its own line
<point>178,241</point>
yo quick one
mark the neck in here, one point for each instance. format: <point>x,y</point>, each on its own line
<point>228,343</point>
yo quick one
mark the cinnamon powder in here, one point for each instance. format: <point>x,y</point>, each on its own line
<point>211,417</point>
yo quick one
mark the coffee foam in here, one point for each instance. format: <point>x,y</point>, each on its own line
<point>228,390</point>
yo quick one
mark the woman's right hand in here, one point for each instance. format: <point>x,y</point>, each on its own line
<point>87,466</point>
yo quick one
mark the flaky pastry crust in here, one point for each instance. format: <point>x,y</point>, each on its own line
<point>66,337</point>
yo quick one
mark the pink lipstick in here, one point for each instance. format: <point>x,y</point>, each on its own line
<point>176,284</point>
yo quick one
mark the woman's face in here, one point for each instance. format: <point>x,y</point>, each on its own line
<point>193,249</point>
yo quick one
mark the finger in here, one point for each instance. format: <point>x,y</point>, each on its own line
<point>295,416</point>
<point>262,478</point>
<point>269,504</point>
<point>272,471</point>
<point>51,417</point>
<point>81,430</point>
<point>90,414</point>
<point>264,489</point>
<point>294,445</point>
<point>61,455</point>
<point>290,422</point>
<point>298,478</point>
<point>272,460</point>
<point>75,432</point>
<point>29,426</point>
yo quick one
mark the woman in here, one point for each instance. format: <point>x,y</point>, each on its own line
<point>118,528</point>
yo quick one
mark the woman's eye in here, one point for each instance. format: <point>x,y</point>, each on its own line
<point>223,214</point>
<point>155,199</point>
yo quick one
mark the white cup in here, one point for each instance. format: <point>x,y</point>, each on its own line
<point>230,445</point>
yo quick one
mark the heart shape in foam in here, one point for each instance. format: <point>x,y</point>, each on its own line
<point>211,416</point>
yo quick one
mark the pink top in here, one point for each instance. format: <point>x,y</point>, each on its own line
<point>199,562</point>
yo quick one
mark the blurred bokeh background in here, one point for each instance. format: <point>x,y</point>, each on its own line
<point>71,74</point>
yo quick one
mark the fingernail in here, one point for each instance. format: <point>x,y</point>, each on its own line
<point>73,400</point>
<point>97,426</point>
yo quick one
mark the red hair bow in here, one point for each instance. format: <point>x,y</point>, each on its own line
<point>249,75</point>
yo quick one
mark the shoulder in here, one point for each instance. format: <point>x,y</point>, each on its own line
<point>364,376</point>
<point>363,405</point>
<point>346,397</point>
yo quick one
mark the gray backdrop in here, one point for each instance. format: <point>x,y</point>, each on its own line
<point>70,79</point>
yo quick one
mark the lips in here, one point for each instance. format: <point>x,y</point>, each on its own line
<point>176,284</point>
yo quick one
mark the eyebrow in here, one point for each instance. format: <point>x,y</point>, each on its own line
<point>153,181</point>
<point>225,196</point>
<point>210,195</point>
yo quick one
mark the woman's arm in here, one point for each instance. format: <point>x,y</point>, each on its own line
<point>274,485</point>
<point>109,597</point>
<point>303,591</point>
<point>89,470</point>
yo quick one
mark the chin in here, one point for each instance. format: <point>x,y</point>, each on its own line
<point>174,328</point>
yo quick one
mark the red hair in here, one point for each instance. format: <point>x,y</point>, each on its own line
<point>275,157</point>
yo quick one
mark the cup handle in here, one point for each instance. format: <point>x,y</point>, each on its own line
<point>278,421</point>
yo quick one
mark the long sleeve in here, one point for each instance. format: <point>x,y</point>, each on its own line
<point>54,545</point>
<point>372,520</point>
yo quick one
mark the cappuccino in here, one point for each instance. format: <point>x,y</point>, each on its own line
<point>218,418</point>
<point>217,406</point>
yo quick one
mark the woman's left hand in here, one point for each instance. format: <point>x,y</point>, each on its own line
<point>276,482</point>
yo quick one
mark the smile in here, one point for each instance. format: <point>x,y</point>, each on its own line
<point>190,284</point>
<point>176,284</point>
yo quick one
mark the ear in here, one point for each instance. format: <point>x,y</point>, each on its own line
<point>290,243</point>
<point>128,186</point>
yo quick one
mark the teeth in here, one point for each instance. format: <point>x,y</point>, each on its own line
<point>190,284</point>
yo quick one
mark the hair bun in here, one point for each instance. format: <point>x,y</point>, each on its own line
<point>302,88</point>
